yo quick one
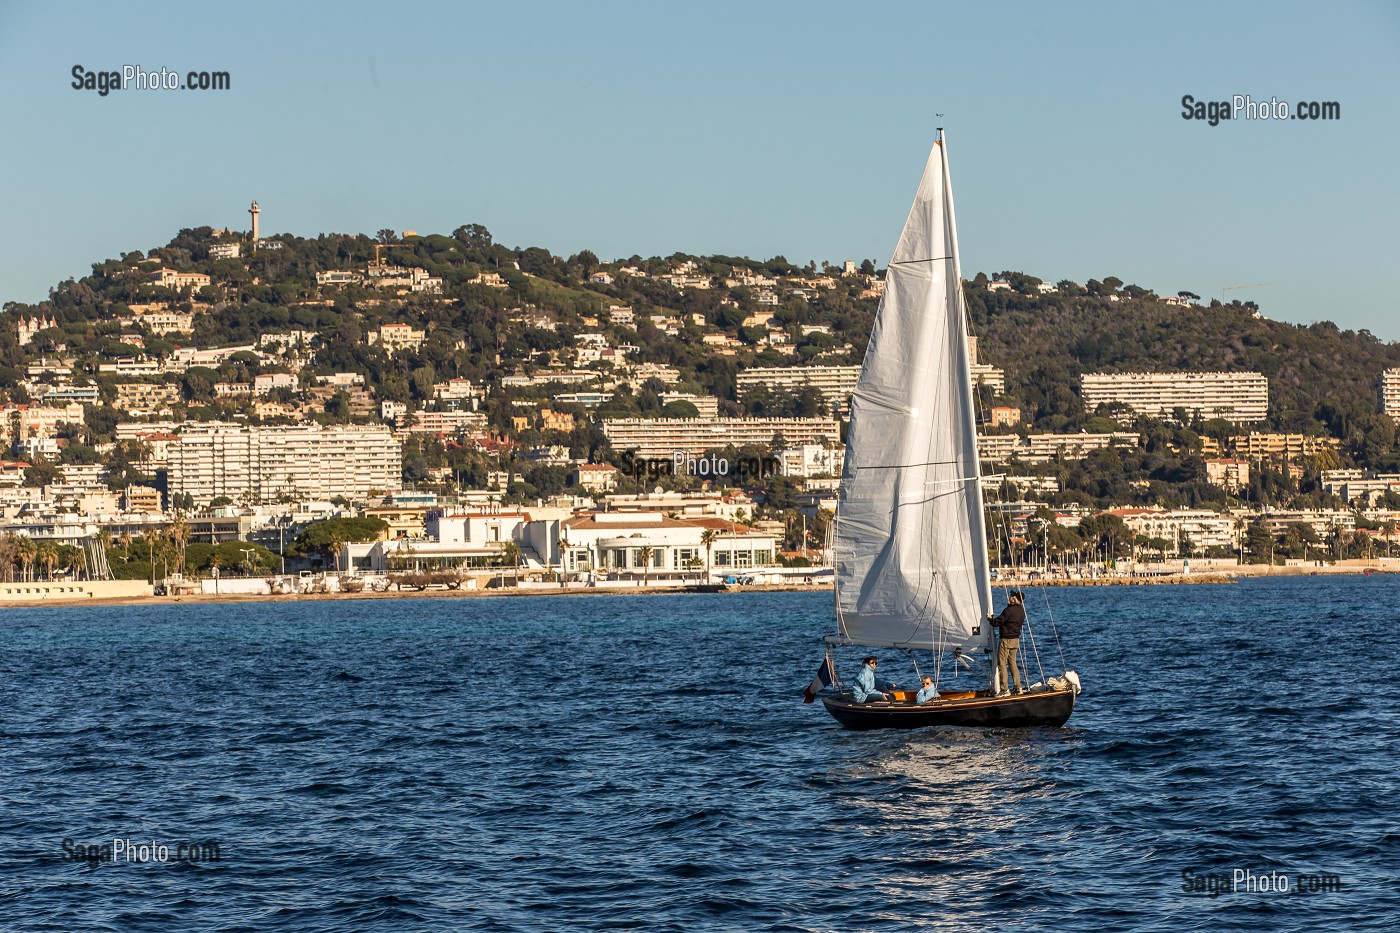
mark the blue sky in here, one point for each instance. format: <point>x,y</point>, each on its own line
<point>747,129</point>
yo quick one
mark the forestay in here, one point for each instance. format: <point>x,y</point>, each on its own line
<point>911,558</point>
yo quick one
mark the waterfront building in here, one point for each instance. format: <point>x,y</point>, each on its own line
<point>614,543</point>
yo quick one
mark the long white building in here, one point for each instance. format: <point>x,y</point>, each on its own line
<point>1239,397</point>
<point>264,464</point>
<point>835,383</point>
<point>663,437</point>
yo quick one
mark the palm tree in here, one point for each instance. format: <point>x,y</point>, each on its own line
<point>25,551</point>
<point>152,537</point>
<point>333,548</point>
<point>180,534</point>
<point>564,545</point>
<point>215,563</point>
<point>645,553</point>
<point>707,538</point>
<point>510,553</point>
<point>46,556</point>
<point>8,556</point>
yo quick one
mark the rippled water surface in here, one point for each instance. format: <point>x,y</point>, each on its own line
<point>599,763</point>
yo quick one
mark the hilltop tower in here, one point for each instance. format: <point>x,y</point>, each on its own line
<point>253,212</point>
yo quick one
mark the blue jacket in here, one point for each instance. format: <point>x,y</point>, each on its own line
<point>866,684</point>
<point>925,694</point>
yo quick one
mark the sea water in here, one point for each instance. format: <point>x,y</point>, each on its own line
<point>613,762</point>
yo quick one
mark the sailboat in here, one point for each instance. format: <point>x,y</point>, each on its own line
<point>911,556</point>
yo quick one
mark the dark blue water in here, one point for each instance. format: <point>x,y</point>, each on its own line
<point>600,763</point>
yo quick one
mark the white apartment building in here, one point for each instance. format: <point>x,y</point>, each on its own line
<point>266,382</point>
<point>1239,397</point>
<point>993,485</point>
<point>446,422</point>
<point>1042,448</point>
<point>1390,393</point>
<point>1200,528</point>
<point>164,322</point>
<point>807,460</point>
<point>262,464</point>
<point>225,250</point>
<point>662,437</point>
<point>835,383</point>
<point>1352,485</point>
<point>706,406</point>
<point>130,366</point>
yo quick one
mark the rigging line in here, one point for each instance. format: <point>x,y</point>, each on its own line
<point>1054,630</point>
<point>910,466</point>
<point>915,262</point>
<point>1034,650</point>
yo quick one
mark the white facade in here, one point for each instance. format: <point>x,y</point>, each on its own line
<point>1390,393</point>
<point>613,542</point>
<point>1042,448</point>
<point>264,464</point>
<point>835,383</point>
<point>662,437</point>
<point>811,460</point>
<point>1239,397</point>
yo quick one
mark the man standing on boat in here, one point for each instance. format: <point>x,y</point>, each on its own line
<point>1008,626</point>
<point>867,689</point>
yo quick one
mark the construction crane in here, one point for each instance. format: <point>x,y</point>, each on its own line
<point>1229,288</point>
<point>378,256</point>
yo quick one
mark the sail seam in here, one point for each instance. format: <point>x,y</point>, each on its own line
<point>911,262</point>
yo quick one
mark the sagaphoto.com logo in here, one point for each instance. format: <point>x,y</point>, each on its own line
<point>1245,107</point>
<point>134,77</point>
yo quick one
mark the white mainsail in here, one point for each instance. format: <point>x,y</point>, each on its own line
<point>911,555</point>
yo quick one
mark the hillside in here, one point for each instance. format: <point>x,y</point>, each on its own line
<point>484,311</point>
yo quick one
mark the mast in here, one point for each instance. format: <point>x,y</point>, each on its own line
<point>964,357</point>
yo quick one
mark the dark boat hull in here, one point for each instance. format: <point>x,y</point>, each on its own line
<point>1050,708</point>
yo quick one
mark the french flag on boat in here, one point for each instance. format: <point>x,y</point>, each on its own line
<point>826,675</point>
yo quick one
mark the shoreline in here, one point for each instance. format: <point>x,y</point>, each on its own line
<point>1203,577</point>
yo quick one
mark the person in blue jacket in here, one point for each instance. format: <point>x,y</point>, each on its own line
<point>867,689</point>
<point>928,692</point>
